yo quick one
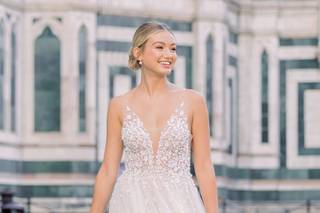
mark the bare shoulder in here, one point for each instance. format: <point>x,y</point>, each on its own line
<point>194,98</point>
<point>114,108</point>
<point>119,101</point>
<point>117,104</point>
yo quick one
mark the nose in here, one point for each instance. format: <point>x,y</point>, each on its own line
<point>168,53</point>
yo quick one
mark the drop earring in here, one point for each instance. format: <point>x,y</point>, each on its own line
<point>140,62</point>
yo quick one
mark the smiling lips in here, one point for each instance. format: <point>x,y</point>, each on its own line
<point>165,62</point>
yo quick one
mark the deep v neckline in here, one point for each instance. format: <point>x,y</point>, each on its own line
<point>151,142</point>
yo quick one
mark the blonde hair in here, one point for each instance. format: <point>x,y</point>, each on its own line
<point>140,38</point>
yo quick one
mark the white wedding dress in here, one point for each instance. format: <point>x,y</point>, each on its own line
<point>156,182</point>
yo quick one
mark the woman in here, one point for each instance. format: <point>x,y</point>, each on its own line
<point>158,126</point>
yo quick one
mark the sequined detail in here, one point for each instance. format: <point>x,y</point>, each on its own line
<point>173,151</point>
<point>156,181</point>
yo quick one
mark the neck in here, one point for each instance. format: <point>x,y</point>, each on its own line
<point>153,85</point>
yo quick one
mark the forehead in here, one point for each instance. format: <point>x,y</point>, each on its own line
<point>162,36</point>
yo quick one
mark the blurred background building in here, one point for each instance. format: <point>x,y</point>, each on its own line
<point>255,61</point>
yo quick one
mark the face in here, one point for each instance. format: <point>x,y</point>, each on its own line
<point>159,53</point>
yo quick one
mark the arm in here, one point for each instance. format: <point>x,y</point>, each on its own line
<point>201,155</point>
<point>108,171</point>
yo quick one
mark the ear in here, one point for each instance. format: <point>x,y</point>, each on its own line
<point>137,53</point>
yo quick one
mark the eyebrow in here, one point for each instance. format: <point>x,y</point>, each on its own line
<point>161,42</point>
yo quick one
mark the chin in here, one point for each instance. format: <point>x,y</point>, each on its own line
<point>166,72</point>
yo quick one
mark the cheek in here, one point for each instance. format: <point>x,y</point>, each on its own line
<point>151,54</point>
<point>174,58</point>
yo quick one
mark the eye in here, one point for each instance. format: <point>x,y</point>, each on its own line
<point>159,47</point>
<point>173,49</point>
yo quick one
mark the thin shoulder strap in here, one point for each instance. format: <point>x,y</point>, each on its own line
<point>182,98</point>
<point>125,107</point>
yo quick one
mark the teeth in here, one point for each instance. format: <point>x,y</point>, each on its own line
<point>165,62</point>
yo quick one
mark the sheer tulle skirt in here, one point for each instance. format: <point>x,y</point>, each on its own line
<point>155,194</point>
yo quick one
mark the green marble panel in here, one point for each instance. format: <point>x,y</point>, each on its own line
<point>302,87</point>
<point>284,66</point>
<point>264,97</point>
<point>233,37</point>
<point>13,90</point>
<point>298,41</point>
<point>209,80</point>
<point>47,82</point>
<point>82,44</point>
<point>134,22</point>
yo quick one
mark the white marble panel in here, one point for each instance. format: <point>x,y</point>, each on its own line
<point>58,152</point>
<point>312,118</point>
<point>297,52</point>
<point>294,160</point>
<point>121,84</point>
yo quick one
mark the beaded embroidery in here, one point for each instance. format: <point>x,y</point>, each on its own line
<point>156,181</point>
<point>173,150</point>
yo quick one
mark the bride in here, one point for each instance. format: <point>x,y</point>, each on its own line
<point>157,126</point>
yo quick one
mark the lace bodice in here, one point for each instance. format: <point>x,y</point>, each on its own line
<point>157,174</point>
<point>174,146</point>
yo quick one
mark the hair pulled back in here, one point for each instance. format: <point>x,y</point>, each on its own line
<point>140,38</point>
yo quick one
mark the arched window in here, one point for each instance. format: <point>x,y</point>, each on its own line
<point>209,79</point>
<point>2,113</point>
<point>13,78</point>
<point>264,97</point>
<point>47,82</point>
<point>83,50</point>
